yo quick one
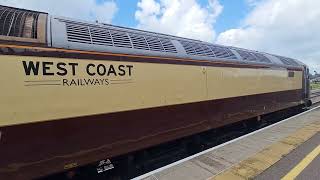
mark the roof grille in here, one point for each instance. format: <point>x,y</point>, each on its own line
<point>18,23</point>
<point>197,49</point>
<point>247,56</point>
<point>201,49</point>
<point>101,36</point>
<point>287,61</point>
<point>139,42</point>
<point>222,52</point>
<point>168,46</point>
<point>188,47</point>
<point>253,56</point>
<point>90,34</point>
<point>208,51</point>
<point>78,34</point>
<point>154,43</point>
<point>121,39</point>
<point>262,58</point>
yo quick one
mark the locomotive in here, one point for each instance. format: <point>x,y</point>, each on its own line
<point>76,92</point>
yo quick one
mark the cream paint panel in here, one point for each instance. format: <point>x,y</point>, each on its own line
<point>151,85</point>
<point>231,82</point>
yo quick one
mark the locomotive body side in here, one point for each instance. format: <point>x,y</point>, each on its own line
<point>54,111</point>
<point>74,93</point>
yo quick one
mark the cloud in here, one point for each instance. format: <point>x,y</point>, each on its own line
<point>284,27</point>
<point>85,10</point>
<point>184,18</point>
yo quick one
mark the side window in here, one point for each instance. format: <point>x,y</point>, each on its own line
<point>291,74</point>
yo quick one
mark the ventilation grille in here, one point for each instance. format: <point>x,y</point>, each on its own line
<point>18,22</point>
<point>139,42</point>
<point>100,36</point>
<point>188,47</point>
<point>288,61</point>
<point>78,34</point>
<point>262,58</point>
<point>208,50</point>
<point>168,46</point>
<point>120,39</point>
<point>223,52</point>
<point>88,34</point>
<point>253,56</point>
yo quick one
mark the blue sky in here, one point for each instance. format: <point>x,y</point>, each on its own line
<point>233,12</point>
<point>125,15</point>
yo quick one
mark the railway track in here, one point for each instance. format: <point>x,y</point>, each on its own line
<point>315,97</point>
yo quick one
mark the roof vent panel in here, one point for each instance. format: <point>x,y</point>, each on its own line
<point>78,33</point>
<point>222,52</point>
<point>207,51</point>
<point>199,50</point>
<point>262,58</point>
<point>203,49</point>
<point>154,43</point>
<point>246,55</point>
<point>101,36</point>
<point>287,61</point>
<point>139,42</point>
<point>253,56</point>
<point>168,46</point>
<point>188,47</point>
<point>121,39</point>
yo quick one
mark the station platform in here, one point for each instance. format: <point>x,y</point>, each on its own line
<point>285,150</point>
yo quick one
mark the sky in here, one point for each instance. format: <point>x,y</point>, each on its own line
<point>284,27</point>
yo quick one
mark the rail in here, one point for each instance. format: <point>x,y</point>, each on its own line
<point>315,96</point>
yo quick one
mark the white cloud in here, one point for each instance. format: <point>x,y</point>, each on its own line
<point>284,27</point>
<point>184,18</point>
<point>85,9</point>
<point>253,2</point>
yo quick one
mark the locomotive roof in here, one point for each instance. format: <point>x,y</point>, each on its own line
<point>68,33</point>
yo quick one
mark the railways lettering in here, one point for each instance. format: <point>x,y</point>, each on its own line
<point>85,82</point>
<point>62,69</point>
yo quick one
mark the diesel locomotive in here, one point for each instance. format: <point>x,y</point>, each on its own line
<point>76,92</point>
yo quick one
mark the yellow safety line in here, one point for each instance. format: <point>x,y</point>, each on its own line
<point>302,164</point>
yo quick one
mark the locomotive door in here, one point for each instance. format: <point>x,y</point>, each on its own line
<point>306,83</point>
